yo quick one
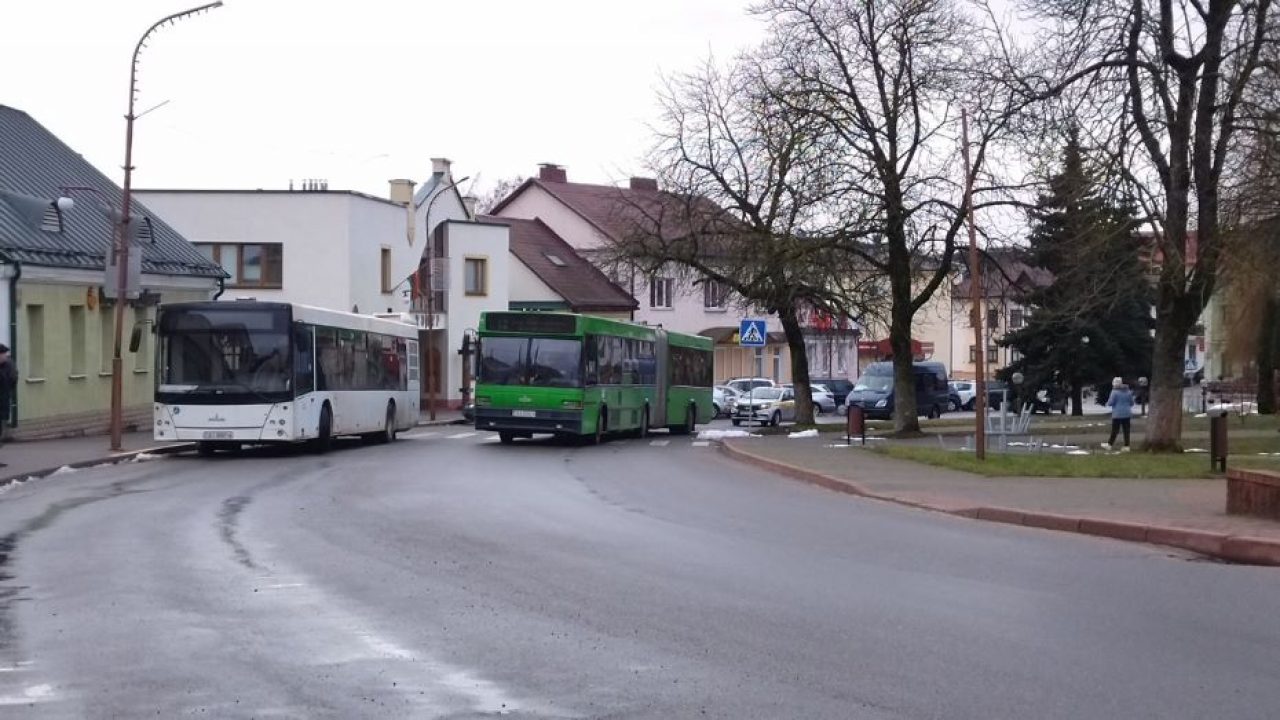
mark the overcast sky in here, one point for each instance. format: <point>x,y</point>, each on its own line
<point>259,92</point>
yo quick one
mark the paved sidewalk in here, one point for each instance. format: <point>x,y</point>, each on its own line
<point>29,457</point>
<point>1194,506</point>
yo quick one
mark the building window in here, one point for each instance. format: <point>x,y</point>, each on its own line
<point>1014,355</point>
<point>660,291</point>
<point>106,340</point>
<point>973,354</point>
<point>250,265</point>
<point>476,271</point>
<point>77,341</point>
<point>385,266</point>
<point>142,358</point>
<point>993,353</point>
<point>35,341</point>
<point>713,295</point>
<point>993,317</point>
<point>1016,319</point>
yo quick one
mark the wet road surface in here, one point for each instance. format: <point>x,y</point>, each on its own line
<point>447,576</point>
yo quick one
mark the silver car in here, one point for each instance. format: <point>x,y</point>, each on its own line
<point>763,406</point>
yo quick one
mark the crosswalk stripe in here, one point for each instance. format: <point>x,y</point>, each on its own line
<point>461,435</point>
<point>701,443</point>
<point>659,443</point>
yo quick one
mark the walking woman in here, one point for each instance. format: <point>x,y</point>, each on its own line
<point>1121,404</point>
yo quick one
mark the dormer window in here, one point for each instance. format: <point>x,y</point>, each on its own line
<point>51,221</point>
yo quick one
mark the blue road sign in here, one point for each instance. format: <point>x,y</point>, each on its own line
<point>752,333</point>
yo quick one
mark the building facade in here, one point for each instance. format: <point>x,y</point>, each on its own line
<point>58,220</point>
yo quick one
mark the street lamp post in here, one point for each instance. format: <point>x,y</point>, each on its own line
<point>121,250</point>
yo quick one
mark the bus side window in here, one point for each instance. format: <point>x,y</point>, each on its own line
<point>303,360</point>
<point>591,357</point>
<point>328,371</point>
<point>629,374</point>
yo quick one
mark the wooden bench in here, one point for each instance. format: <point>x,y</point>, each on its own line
<point>1253,492</point>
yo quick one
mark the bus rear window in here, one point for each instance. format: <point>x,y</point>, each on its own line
<point>536,362</point>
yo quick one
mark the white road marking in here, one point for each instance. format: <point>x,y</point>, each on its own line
<point>283,586</point>
<point>418,435</point>
<point>461,435</point>
<point>659,443</point>
<point>701,443</point>
<point>33,694</point>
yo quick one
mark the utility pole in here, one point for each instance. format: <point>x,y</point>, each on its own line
<point>121,251</point>
<point>975,297</point>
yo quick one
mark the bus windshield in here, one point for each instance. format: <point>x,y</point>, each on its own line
<point>533,361</point>
<point>232,351</point>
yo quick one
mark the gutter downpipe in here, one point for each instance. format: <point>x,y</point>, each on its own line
<point>11,413</point>
<point>222,287</point>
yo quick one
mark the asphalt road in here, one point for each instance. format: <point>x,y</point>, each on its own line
<point>451,577</point>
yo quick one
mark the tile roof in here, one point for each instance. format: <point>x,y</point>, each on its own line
<point>1013,277</point>
<point>619,212</point>
<point>580,283</point>
<point>34,164</point>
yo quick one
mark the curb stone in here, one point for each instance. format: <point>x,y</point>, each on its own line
<point>114,459</point>
<point>1234,548</point>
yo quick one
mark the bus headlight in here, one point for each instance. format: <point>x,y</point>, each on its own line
<point>483,401</point>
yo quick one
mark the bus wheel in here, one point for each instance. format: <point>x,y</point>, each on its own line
<point>389,430</point>
<point>506,437</point>
<point>324,436</point>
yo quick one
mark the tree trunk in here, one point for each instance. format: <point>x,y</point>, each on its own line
<point>905,417</point>
<point>1164,427</point>
<point>1267,357</point>
<point>799,365</point>
<point>1077,399</point>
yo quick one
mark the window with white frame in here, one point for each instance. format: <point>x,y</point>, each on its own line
<point>661,290</point>
<point>713,295</point>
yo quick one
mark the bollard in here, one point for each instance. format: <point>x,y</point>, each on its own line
<point>1218,441</point>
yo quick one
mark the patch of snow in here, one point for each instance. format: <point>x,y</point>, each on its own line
<point>1195,450</point>
<point>144,457</point>
<point>1079,452</point>
<point>1055,446</point>
<point>724,434</point>
<point>64,470</point>
<point>803,434</point>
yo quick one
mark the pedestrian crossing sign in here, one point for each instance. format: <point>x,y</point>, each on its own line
<point>751,333</point>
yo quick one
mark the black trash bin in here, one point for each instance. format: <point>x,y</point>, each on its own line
<point>1218,440</point>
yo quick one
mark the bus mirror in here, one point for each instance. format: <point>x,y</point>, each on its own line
<point>135,339</point>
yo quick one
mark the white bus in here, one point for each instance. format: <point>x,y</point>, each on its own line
<point>248,372</point>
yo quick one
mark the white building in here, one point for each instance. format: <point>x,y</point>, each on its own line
<point>345,250</point>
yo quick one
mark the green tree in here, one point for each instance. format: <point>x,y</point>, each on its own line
<point>1093,321</point>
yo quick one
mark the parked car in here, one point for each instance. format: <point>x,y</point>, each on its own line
<point>723,400</point>
<point>874,390</point>
<point>839,387</point>
<point>963,391</point>
<point>823,400</point>
<point>743,385</point>
<point>771,405</point>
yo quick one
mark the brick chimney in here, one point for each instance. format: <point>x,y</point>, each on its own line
<point>401,191</point>
<point>643,183</point>
<point>550,172</point>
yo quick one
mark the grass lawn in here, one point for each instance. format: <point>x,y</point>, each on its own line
<point>1128,465</point>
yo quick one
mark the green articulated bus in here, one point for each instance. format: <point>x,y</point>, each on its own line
<point>578,375</point>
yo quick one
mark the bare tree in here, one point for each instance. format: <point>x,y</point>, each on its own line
<point>1163,85</point>
<point>743,179</point>
<point>486,201</point>
<point>885,81</point>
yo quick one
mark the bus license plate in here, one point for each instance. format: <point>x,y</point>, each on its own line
<point>218,435</point>
<point>524,413</point>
